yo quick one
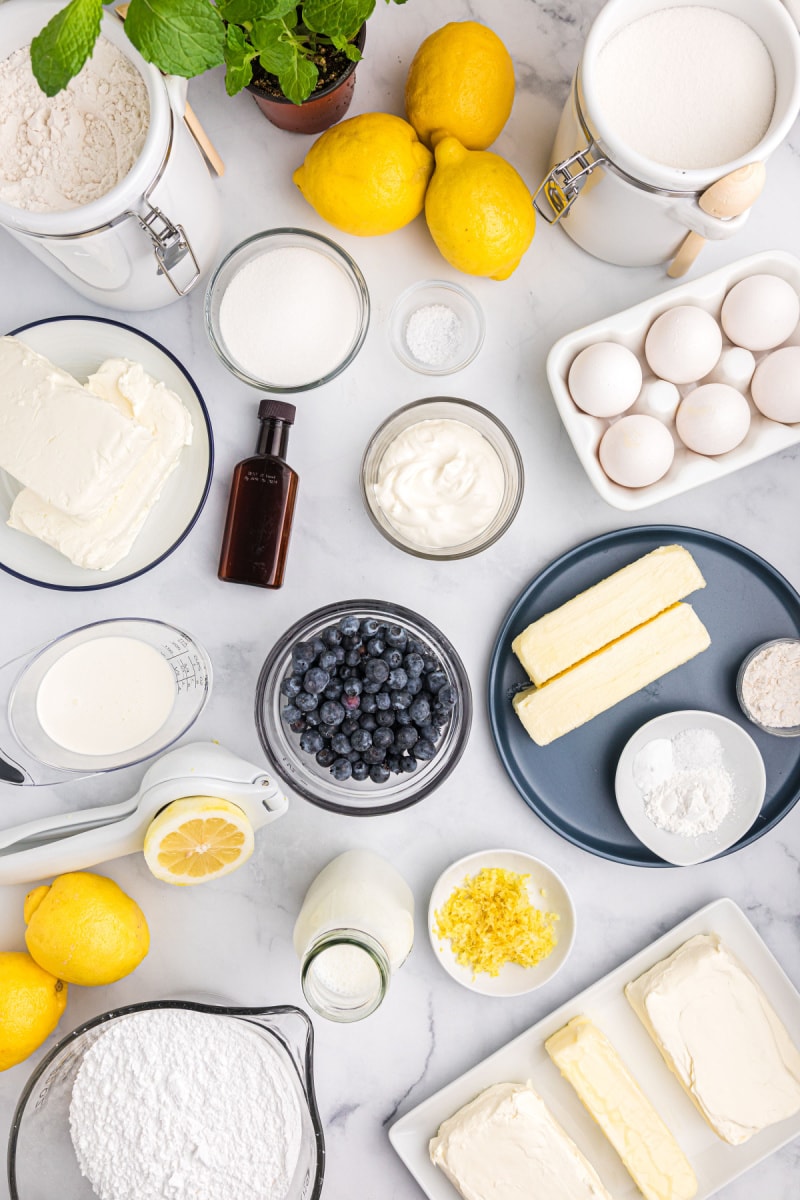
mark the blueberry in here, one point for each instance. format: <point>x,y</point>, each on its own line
<point>408,763</point>
<point>402,716</point>
<point>315,681</point>
<point>350,724</point>
<point>435,681</point>
<point>312,719</point>
<point>375,646</point>
<point>369,627</point>
<point>420,711</point>
<point>367,721</point>
<point>414,663</point>
<point>360,770</point>
<point>400,699</point>
<point>353,757</point>
<point>345,673</point>
<point>405,737</point>
<point>414,685</point>
<point>383,701</point>
<point>325,757</point>
<point>291,685</point>
<point>396,636</point>
<point>440,715</point>
<point>310,741</point>
<point>393,764</point>
<point>382,738</point>
<point>361,739</point>
<point>302,656</point>
<point>415,646</point>
<point>424,749</point>
<point>299,725</point>
<point>349,625</point>
<point>331,636</point>
<point>371,688</point>
<point>385,718</point>
<point>352,703</point>
<point>353,687</point>
<point>327,661</point>
<point>368,703</point>
<point>339,654</point>
<point>429,732</point>
<point>392,658</point>
<point>334,690</point>
<point>378,773</point>
<point>430,664</point>
<point>374,755</point>
<point>397,679</point>
<point>332,712</point>
<point>328,731</point>
<point>447,696</point>
<point>306,701</point>
<point>290,713</point>
<point>340,742</point>
<point>376,671</point>
<point>342,769</point>
<point>318,646</point>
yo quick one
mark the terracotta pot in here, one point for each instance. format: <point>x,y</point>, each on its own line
<point>322,109</point>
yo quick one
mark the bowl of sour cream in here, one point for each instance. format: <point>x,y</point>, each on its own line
<point>442,478</point>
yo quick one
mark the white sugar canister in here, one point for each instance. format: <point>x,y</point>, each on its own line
<point>152,237</point>
<point>614,201</point>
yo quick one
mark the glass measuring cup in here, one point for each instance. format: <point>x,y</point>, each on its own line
<point>29,756</point>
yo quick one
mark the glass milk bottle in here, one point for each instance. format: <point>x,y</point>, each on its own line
<point>355,928</point>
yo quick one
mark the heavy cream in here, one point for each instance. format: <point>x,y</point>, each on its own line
<point>440,483</point>
<point>720,1036</point>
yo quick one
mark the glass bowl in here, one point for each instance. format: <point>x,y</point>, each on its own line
<point>465,342</point>
<point>253,248</point>
<point>41,1160</point>
<point>300,771</point>
<point>484,423</point>
<point>777,730</point>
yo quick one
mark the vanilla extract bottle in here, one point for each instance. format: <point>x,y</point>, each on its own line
<point>261,505</point>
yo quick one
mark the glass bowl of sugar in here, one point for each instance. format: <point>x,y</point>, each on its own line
<point>436,327</point>
<point>287,310</point>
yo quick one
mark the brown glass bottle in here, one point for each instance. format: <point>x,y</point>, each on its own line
<point>261,505</point>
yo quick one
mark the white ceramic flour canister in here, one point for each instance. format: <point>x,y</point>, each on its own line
<point>148,240</point>
<point>624,207</point>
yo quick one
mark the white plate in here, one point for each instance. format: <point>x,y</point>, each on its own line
<point>715,1163</point>
<point>740,756</point>
<point>79,345</point>
<point>688,470</point>
<point>547,892</point>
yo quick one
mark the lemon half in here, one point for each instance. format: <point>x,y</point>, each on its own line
<point>196,839</point>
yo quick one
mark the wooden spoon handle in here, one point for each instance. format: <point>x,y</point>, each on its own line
<point>688,251</point>
<point>734,193</point>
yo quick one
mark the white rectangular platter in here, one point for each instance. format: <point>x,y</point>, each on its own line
<point>629,328</point>
<point>715,1163</point>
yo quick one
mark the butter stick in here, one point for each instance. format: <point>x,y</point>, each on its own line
<point>596,617</point>
<point>612,674</point>
<point>654,1160</point>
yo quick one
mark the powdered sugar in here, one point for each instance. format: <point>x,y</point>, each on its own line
<point>174,1104</point>
<point>60,152</point>
<point>687,789</point>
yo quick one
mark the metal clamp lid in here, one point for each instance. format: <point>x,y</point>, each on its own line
<point>170,244</point>
<point>563,183</point>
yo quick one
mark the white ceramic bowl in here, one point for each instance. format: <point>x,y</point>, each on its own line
<point>740,756</point>
<point>548,892</point>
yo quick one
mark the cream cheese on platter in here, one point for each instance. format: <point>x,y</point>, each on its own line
<point>102,541</point>
<point>440,483</point>
<point>505,1145</point>
<point>720,1036</point>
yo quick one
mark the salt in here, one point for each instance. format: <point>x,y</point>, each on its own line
<point>289,317</point>
<point>687,86</point>
<point>686,788</point>
<point>434,334</point>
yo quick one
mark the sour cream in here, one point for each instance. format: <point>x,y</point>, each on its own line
<point>440,483</point>
<point>105,696</point>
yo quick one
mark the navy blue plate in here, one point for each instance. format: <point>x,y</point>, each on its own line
<point>570,783</point>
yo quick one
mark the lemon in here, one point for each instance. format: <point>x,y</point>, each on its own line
<point>31,1003</point>
<point>478,210</point>
<point>84,929</point>
<point>198,838</point>
<point>461,82</point>
<point>367,175</point>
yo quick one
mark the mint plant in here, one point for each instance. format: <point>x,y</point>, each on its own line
<point>186,37</point>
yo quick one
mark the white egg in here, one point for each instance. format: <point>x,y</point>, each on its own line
<point>605,379</point>
<point>636,451</point>
<point>713,419</point>
<point>683,344</point>
<point>776,385</point>
<point>760,312</point>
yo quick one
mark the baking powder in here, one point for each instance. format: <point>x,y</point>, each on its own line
<point>771,685</point>
<point>433,334</point>
<point>180,1105</point>
<point>686,788</point>
<point>60,152</point>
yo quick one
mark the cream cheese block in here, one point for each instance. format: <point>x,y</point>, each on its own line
<point>655,1161</point>
<point>596,617</point>
<point>102,541</point>
<point>59,438</point>
<point>505,1145</point>
<point>612,674</point>
<point>720,1036</point>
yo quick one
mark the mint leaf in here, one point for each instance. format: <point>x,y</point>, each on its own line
<point>334,17</point>
<point>276,50</point>
<point>244,12</point>
<point>65,43</point>
<point>297,79</point>
<point>238,59</point>
<point>181,37</point>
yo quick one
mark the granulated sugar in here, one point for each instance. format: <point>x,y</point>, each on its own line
<point>182,1105</point>
<point>60,152</point>
<point>687,87</point>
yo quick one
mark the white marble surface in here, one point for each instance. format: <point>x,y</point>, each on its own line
<point>234,936</point>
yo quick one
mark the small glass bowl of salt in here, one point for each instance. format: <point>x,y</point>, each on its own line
<point>768,687</point>
<point>436,327</point>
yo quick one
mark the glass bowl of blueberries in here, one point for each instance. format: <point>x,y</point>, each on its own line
<point>363,707</point>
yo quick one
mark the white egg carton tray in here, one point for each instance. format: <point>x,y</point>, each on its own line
<point>629,328</point>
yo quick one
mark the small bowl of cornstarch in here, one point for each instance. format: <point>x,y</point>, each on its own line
<point>436,327</point>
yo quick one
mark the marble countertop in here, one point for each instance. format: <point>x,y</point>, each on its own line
<point>234,936</point>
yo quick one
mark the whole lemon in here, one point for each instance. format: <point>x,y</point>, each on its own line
<point>84,929</point>
<point>478,210</point>
<point>367,175</point>
<point>31,1003</point>
<point>461,82</point>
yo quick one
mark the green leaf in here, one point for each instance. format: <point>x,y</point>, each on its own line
<point>181,37</point>
<point>337,17</point>
<point>65,43</point>
<point>274,44</point>
<point>241,12</point>
<point>352,51</point>
<point>298,78</point>
<point>238,59</point>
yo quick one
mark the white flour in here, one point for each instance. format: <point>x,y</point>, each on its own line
<point>688,87</point>
<point>60,152</point>
<point>771,686</point>
<point>686,788</point>
<point>181,1105</point>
